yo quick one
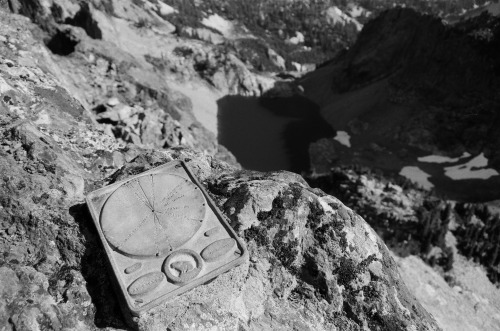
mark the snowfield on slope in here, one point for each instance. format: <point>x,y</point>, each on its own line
<point>344,138</point>
<point>228,29</point>
<point>442,159</point>
<point>474,169</point>
<point>165,9</point>
<point>356,11</point>
<point>335,15</point>
<point>220,24</point>
<point>417,176</point>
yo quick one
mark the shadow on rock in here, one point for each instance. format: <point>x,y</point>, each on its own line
<point>96,272</point>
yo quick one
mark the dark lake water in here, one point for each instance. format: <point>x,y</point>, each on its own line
<point>270,133</point>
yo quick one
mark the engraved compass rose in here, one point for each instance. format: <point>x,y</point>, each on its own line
<point>153,215</point>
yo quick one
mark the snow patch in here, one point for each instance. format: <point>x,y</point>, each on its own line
<point>469,170</point>
<point>165,9</point>
<point>343,138</point>
<point>417,176</point>
<point>442,159</point>
<point>356,11</point>
<point>205,35</point>
<point>336,16</point>
<point>220,24</point>
<point>298,39</point>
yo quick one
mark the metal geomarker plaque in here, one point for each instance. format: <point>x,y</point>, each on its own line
<point>163,235</point>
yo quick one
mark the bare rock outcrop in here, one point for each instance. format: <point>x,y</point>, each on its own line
<point>314,264</point>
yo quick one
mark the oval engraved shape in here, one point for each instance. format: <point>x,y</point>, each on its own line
<point>211,232</point>
<point>133,268</point>
<point>218,249</point>
<point>145,284</point>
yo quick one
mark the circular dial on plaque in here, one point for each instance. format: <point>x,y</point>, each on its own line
<point>152,215</point>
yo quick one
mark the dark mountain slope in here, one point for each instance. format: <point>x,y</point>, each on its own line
<point>412,86</point>
<point>423,53</point>
<point>438,66</point>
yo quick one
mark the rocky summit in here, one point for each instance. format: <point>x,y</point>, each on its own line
<point>96,92</point>
<point>314,264</point>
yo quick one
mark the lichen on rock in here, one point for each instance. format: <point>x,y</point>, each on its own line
<point>313,263</point>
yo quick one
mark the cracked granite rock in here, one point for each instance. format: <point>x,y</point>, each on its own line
<point>313,264</point>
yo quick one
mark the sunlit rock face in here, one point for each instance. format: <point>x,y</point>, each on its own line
<point>313,263</point>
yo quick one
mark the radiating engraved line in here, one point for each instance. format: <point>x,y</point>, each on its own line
<point>177,198</point>
<point>141,199</point>
<point>141,223</point>
<point>137,196</point>
<point>191,219</point>
<point>156,236</point>
<point>169,206</point>
<point>158,220</point>
<point>153,191</point>
<point>171,198</point>
<point>165,231</point>
<point>174,190</point>
<point>171,193</point>
<point>171,214</point>
<point>145,195</point>
<point>173,209</point>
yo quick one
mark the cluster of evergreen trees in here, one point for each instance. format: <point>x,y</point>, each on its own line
<point>275,21</point>
<point>436,7</point>
<point>475,226</point>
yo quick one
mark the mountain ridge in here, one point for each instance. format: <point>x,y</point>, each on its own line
<point>419,85</point>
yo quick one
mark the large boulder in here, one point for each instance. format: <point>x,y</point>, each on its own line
<point>313,263</point>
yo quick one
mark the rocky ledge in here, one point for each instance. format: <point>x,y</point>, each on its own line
<point>313,263</point>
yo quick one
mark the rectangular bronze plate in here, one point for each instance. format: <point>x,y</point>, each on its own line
<point>163,235</point>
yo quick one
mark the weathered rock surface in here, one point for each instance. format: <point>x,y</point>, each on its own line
<point>130,51</point>
<point>447,252</point>
<point>412,221</point>
<point>314,264</point>
<point>469,303</point>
